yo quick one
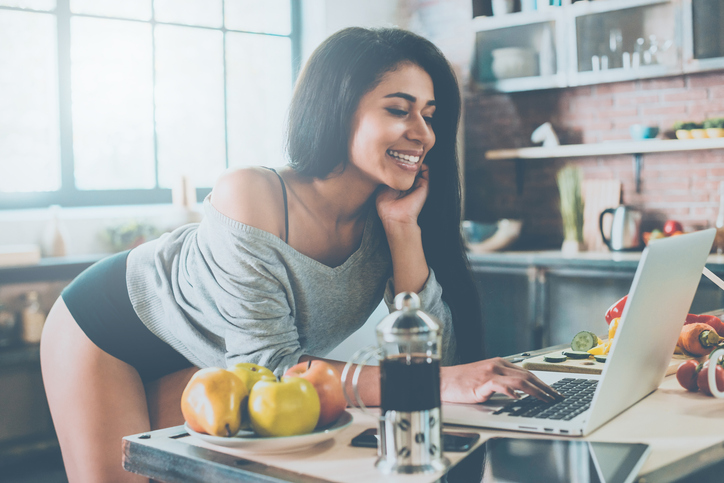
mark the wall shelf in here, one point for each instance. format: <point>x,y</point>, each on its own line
<point>636,148</point>
<point>606,149</point>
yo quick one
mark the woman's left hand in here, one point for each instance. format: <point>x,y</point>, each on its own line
<point>403,207</point>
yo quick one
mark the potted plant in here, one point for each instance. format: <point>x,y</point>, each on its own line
<point>683,129</point>
<point>569,186</point>
<point>698,132</point>
<point>714,127</point>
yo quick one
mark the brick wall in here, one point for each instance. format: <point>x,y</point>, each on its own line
<point>679,185</point>
<point>682,186</point>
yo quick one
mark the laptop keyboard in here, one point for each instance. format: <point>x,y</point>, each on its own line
<point>578,395</point>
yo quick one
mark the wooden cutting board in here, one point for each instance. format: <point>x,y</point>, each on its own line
<point>586,366</point>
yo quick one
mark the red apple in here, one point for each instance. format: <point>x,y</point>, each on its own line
<point>671,227</point>
<point>328,383</point>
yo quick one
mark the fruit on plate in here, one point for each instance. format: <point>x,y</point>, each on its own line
<point>211,402</point>
<point>250,373</point>
<point>286,407</point>
<point>328,383</point>
<point>671,227</point>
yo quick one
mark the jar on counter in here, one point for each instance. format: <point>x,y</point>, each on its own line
<point>8,327</point>
<point>32,319</point>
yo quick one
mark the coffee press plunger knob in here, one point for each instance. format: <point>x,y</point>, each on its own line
<point>407,301</point>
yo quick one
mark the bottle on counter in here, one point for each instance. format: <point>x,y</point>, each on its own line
<point>55,237</point>
<point>32,319</point>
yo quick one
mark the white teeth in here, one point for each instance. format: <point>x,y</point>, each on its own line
<point>404,157</point>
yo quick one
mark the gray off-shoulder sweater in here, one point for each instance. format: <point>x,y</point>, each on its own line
<point>222,292</point>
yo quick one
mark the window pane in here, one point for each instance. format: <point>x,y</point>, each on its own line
<point>111,80</point>
<point>189,104</point>
<point>270,16</point>
<point>204,13</point>
<point>258,90</point>
<point>31,4</point>
<point>29,122</point>
<point>134,9</point>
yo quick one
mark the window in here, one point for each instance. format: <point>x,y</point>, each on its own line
<point>111,102</point>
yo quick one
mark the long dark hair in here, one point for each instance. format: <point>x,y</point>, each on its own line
<point>341,70</point>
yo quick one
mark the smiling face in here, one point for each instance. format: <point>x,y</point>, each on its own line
<point>392,128</point>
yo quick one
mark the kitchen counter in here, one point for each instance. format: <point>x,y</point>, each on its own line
<point>555,258</point>
<point>534,299</point>
<point>688,442</point>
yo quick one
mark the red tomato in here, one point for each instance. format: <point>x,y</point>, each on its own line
<point>703,382</point>
<point>671,227</point>
<point>615,310</point>
<point>687,374</point>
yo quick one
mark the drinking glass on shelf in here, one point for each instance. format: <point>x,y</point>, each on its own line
<point>615,40</point>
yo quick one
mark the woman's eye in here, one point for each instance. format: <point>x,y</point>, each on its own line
<point>428,119</point>
<point>397,112</point>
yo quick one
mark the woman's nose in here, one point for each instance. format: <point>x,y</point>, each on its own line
<point>420,130</point>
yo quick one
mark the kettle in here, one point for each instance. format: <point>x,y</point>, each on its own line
<point>625,229</point>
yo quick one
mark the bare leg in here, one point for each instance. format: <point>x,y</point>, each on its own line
<point>164,398</point>
<point>95,400</point>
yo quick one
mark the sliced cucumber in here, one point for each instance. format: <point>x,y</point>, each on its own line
<point>601,358</point>
<point>584,341</point>
<point>577,354</point>
<point>558,357</point>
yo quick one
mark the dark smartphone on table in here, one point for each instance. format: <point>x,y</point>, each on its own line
<point>452,441</point>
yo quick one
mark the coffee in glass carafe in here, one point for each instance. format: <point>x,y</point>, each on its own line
<point>410,424</point>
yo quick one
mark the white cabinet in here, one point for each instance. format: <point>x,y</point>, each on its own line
<point>591,42</point>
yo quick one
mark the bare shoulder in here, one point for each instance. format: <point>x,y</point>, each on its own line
<point>251,196</point>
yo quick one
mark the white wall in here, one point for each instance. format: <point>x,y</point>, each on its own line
<point>321,18</point>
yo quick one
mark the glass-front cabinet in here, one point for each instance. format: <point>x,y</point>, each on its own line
<point>704,42</point>
<point>520,53</point>
<point>619,40</point>
<point>572,43</point>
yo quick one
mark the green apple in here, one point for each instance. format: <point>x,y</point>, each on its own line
<point>286,407</point>
<point>251,374</point>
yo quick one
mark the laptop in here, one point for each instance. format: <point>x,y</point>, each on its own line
<point>661,293</point>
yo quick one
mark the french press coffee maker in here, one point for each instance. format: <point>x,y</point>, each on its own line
<point>410,424</point>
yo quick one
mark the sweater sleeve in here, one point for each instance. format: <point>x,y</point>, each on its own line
<point>253,295</point>
<point>432,303</point>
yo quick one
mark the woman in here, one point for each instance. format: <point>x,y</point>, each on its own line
<point>285,266</point>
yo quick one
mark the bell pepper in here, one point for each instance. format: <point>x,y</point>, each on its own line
<point>616,310</point>
<point>604,347</point>
<point>711,320</point>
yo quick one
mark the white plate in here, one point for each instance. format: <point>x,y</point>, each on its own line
<point>252,443</point>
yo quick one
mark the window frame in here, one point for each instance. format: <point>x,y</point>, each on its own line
<point>69,195</point>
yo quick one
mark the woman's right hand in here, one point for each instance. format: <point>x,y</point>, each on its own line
<point>476,382</point>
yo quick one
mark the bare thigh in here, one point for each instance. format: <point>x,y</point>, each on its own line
<point>95,400</point>
<point>164,398</point>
